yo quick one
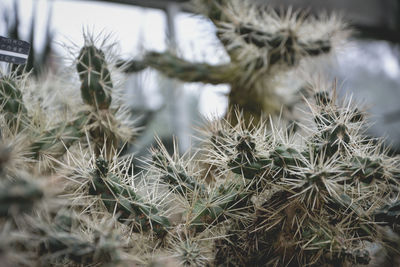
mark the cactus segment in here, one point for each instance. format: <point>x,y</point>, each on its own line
<point>95,77</point>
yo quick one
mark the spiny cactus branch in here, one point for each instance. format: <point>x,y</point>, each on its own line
<point>178,68</point>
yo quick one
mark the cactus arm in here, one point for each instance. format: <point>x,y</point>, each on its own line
<point>388,214</point>
<point>182,182</point>
<point>213,9</point>
<point>95,77</point>
<point>207,207</point>
<point>251,35</point>
<point>68,246</point>
<point>96,89</point>
<point>175,67</point>
<point>249,169</point>
<point>13,108</point>
<point>11,96</point>
<point>132,66</point>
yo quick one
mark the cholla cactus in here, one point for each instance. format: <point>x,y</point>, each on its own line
<point>254,194</point>
<point>261,43</point>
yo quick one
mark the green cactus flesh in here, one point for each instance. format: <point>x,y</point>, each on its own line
<point>95,77</point>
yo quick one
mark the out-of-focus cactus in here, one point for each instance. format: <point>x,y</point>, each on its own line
<point>19,192</point>
<point>11,96</point>
<point>260,43</point>
<point>11,100</point>
<point>295,200</point>
<point>61,245</point>
<point>43,138</point>
<point>323,196</point>
<point>5,155</point>
<point>96,91</point>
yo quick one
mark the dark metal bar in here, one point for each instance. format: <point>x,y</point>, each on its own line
<point>159,4</point>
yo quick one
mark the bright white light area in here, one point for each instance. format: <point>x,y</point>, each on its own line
<point>197,39</point>
<point>131,26</point>
<point>391,65</point>
<point>213,101</point>
<point>372,56</point>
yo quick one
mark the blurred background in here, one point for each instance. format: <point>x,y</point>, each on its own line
<point>368,66</point>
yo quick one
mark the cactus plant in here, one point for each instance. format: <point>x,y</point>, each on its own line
<point>260,43</point>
